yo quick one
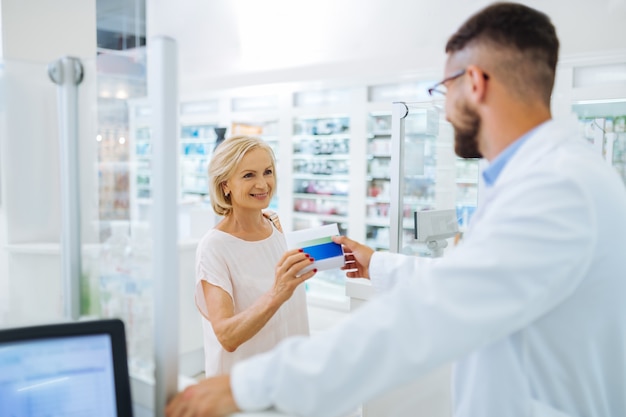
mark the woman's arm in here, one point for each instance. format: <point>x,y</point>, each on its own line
<point>233,329</point>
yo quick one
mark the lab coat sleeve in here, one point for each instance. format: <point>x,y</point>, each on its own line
<point>386,268</point>
<point>529,252</point>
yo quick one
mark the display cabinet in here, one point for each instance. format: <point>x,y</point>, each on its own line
<point>321,173</point>
<point>592,90</point>
<point>467,185</point>
<point>321,170</point>
<point>140,160</point>
<point>113,173</point>
<point>197,142</point>
<point>378,180</point>
<point>603,123</point>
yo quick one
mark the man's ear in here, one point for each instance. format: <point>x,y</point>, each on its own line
<point>478,82</point>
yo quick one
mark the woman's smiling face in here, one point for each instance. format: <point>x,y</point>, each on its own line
<point>252,184</point>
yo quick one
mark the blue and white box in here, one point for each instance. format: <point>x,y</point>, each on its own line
<point>318,244</point>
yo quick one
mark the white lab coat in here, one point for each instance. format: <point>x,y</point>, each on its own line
<point>531,306</point>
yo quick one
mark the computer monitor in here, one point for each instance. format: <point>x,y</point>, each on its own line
<point>65,369</point>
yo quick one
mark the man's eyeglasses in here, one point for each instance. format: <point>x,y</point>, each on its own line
<point>440,87</point>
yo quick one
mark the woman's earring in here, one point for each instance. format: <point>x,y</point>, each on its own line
<point>226,195</point>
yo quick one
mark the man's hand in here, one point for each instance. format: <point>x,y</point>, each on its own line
<point>211,397</point>
<point>357,256</point>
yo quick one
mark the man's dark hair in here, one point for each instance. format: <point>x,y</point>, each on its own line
<point>527,34</point>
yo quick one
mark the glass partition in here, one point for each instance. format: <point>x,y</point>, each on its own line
<point>31,285</point>
<point>116,233</point>
<point>603,123</point>
<point>120,277</point>
<point>425,173</point>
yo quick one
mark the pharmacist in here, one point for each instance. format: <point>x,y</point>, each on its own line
<point>529,307</point>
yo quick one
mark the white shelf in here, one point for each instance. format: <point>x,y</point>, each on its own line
<point>467,180</point>
<point>377,178</point>
<point>208,141</point>
<point>325,177</point>
<point>377,245</point>
<point>418,201</point>
<point>379,222</point>
<point>379,200</point>
<point>379,134</point>
<point>467,203</point>
<point>320,217</point>
<point>322,196</point>
<point>195,175</point>
<point>341,136</point>
<point>198,192</point>
<point>322,157</point>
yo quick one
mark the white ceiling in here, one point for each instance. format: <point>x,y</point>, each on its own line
<point>224,43</point>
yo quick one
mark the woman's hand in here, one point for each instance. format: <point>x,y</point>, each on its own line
<point>289,273</point>
<point>357,256</point>
<point>233,329</point>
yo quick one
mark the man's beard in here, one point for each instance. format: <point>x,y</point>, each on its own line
<point>466,133</point>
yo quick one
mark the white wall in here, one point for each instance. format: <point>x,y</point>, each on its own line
<point>1,42</point>
<point>31,40</point>
<point>41,30</point>
<point>246,42</point>
<point>35,33</point>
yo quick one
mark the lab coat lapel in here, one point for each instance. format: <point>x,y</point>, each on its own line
<point>542,142</point>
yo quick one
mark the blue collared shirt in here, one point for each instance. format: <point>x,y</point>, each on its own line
<point>492,172</point>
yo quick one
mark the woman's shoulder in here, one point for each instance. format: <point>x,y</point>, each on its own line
<point>213,237</point>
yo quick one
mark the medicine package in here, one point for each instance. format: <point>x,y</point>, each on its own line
<point>318,244</point>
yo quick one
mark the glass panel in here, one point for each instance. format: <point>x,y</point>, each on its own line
<point>122,264</point>
<point>467,172</point>
<point>31,286</point>
<point>432,176</point>
<point>421,130</point>
<point>603,123</point>
<point>120,274</point>
<point>29,201</point>
<point>121,280</point>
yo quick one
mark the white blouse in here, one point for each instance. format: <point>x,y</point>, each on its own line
<point>245,270</point>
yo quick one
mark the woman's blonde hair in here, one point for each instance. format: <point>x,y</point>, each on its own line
<point>225,159</point>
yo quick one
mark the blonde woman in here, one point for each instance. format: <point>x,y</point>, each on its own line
<point>247,283</point>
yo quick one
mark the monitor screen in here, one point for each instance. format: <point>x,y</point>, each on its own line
<point>60,375</point>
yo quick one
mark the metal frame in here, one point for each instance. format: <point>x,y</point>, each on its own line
<point>163,94</point>
<point>398,114</point>
<point>67,73</point>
